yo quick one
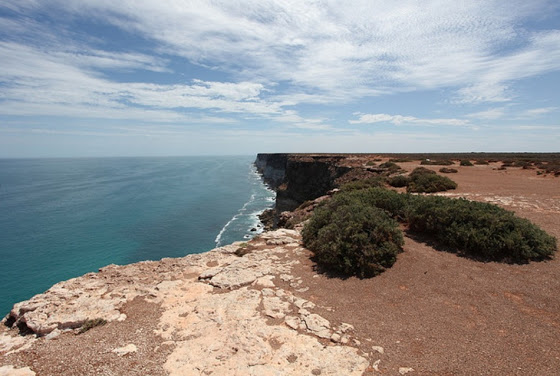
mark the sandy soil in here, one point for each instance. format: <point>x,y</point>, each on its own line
<point>441,314</point>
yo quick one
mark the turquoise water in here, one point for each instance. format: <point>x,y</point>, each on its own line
<point>61,218</point>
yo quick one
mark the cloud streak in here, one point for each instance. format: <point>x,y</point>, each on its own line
<point>404,120</point>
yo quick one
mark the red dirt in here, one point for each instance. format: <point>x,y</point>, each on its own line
<point>445,315</point>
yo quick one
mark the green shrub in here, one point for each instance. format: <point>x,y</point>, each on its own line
<point>421,171</point>
<point>351,238</point>
<point>394,204</point>
<point>391,167</point>
<point>399,160</point>
<point>479,229</point>
<point>447,170</point>
<point>399,181</point>
<point>353,233</point>
<point>423,180</point>
<point>465,162</point>
<point>480,162</point>
<point>440,162</point>
<point>377,181</point>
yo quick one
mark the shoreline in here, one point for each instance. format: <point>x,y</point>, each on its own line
<point>432,313</point>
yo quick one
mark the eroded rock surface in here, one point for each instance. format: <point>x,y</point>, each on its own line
<point>221,313</point>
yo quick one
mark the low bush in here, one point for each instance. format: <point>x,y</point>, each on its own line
<point>354,233</point>
<point>393,203</point>
<point>423,180</point>
<point>353,239</point>
<point>421,171</point>
<point>399,160</point>
<point>479,229</point>
<point>377,181</point>
<point>439,162</point>
<point>481,162</point>
<point>391,167</point>
<point>447,170</point>
<point>399,181</point>
<point>465,162</point>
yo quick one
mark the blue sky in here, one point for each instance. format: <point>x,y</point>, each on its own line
<point>109,78</point>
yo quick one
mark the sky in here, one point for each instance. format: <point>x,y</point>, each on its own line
<point>82,78</point>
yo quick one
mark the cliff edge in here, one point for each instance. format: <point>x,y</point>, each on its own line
<point>235,310</point>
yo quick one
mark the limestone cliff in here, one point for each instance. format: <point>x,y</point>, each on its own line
<point>300,177</point>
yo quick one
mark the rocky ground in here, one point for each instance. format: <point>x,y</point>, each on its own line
<point>262,308</point>
<point>235,310</point>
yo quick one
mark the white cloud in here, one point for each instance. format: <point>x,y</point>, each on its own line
<point>346,49</point>
<point>540,111</point>
<point>537,127</point>
<point>493,113</point>
<point>400,120</point>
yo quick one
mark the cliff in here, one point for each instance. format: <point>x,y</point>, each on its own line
<point>300,177</point>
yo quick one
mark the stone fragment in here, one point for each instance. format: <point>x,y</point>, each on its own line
<point>318,325</point>
<point>379,349</point>
<point>275,307</point>
<point>121,351</point>
<point>267,292</point>
<point>11,371</point>
<point>335,338</point>
<point>293,322</point>
<point>344,327</point>
<point>375,365</point>
<point>54,334</point>
<point>265,281</point>
<point>405,370</point>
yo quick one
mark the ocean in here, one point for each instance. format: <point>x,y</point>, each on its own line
<point>61,218</point>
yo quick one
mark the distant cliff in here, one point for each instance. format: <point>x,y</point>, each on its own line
<point>297,178</point>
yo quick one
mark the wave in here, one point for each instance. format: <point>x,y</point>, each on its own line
<point>236,216</point>
<point>245,223</point>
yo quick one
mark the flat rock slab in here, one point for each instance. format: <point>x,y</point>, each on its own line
<point>216,312</point>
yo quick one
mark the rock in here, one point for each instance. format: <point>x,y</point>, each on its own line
<point>54,334</point>
<point>265,281</point>
<point>405,370</point>
<point>220,331</point>
<point>11,371</point>
<point>268,292</point>
<point>379,349</point>
<point>375,365</point>
<point>318,325</point>
<point>293,322</point>
<point>344,327</point>
<point>7,342</point>
<point>225,333</point>
<point>335,337</point>
<point>130,348</point>
<point>274,307</point>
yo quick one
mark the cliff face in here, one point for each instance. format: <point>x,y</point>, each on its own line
<point>299,177</point>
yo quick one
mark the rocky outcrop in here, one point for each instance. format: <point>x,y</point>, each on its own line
<point>221,313</point>
<point>300,177</point>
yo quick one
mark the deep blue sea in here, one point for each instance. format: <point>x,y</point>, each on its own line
<point>61,218</point>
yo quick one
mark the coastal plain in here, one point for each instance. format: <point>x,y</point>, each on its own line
<point>263,307</point>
